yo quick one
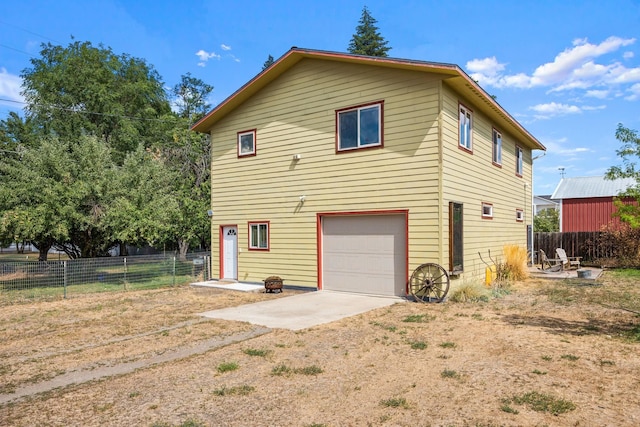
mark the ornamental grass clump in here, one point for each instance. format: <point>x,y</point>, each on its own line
<point>515,262</point>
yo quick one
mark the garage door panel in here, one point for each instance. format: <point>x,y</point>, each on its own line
<point>365,253</point>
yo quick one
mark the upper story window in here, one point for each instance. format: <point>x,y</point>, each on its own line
<point>497,148</point>
<point>519,215</point>
<point>518,161</point>
<point>465,128</point>
<point>259,236</point>
<point>359,127</point>
<point>247,143</point>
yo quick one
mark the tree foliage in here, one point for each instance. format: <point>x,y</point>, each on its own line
<point>191,98</point>
<point>367,39</point>
<point>268,62</point>
<point>630,154</point>
<point>547,220</point>
<point>100,159</point>
<point>82,89</point>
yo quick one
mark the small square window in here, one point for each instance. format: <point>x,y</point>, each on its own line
<point>497,148</point>
<point>465,128</point>
<point>259,236</point>
<point>518,161</point>
<point>519,215</point>
<point>359,127</point>
<point>487,210</point>
<point>247,143</point>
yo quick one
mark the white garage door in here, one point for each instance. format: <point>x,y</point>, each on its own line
<point>365,254</point>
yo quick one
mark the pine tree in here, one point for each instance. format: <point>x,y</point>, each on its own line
<point>268,63</point>
<point>367,39</point>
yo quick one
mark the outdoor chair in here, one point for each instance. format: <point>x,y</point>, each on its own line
<point>549,264</point>
<point>570,262</point>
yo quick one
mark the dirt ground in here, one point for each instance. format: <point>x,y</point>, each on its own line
<point>411,364</point>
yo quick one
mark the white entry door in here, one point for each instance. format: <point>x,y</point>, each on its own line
<point>230,252</point>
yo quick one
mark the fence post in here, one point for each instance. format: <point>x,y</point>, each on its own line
<point>64,278</point>
<point>173,276</point>
<point>125,273</point>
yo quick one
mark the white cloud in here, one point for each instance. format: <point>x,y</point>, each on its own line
<point>561,147</point>
<point>593,107</point>
<point>225,47</point>
<point>600,94</point>
<point>634,93</point>
<point>10,86</point>
<point>553,109</point>
<point>205,56</point>
<point>573,68</point>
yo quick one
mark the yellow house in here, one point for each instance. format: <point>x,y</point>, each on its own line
<point>346,172</point>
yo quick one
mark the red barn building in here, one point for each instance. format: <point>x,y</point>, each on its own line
<point>586,203</point>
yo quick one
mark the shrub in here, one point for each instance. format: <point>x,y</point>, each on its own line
<point>515,262</point>
<point>622,243</point>
<point>468,292</point>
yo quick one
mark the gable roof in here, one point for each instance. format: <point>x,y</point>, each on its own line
<point>453,75</point>
<point>590,186</point>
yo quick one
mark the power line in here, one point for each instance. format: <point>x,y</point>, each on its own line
<point>17,50</point>
<point>71,110</point>
<point>28,31</point>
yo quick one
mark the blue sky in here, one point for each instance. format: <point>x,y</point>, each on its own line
<point>569,71</point>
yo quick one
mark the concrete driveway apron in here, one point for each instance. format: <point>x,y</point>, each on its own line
<point>303,311</point>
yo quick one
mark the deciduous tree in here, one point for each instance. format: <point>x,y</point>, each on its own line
<point>630,154</point>
<point>82,89</point>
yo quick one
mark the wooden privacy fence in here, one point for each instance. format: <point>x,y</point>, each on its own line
<point>586,244</point>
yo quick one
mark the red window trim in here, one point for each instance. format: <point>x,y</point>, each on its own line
<point>482,205</point>
<point>368,147</point>
<point>498,165</point>
<point>255,142</point>
<point>268,248</point>
<point>522,154</point>
<point>465,149</point>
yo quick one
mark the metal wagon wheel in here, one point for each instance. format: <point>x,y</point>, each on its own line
<point>429,283</point>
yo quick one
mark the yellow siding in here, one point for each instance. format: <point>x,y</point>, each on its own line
<point>472,179</point>
<point>295,114</point>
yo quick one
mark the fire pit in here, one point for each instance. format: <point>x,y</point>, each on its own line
<point>273,283</point>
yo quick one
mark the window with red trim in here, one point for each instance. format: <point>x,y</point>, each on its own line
<point>247,143</point>
<point>259,236</point>
<point>465,128</point>
<point>487,210</point>
<point>359,127</point>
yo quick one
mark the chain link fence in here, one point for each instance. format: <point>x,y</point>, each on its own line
<point>54,279</point>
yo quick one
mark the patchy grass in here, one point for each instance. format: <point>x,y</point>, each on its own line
<point>395,402</point>
<point>281,370</point>
<point>241,390</point>
<point>284,370</point>
<point>450,373</point>
<point>542,402</point>
<point>227,367</point>
<point>418,345</point>
<point>256,352</point>
<point>447,344</point>
<point>570,357</point>
<point>418,318</point>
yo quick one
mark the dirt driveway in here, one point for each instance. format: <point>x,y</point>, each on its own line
<point>548,353</point>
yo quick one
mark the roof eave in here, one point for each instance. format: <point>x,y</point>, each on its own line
<point>457,78</point>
